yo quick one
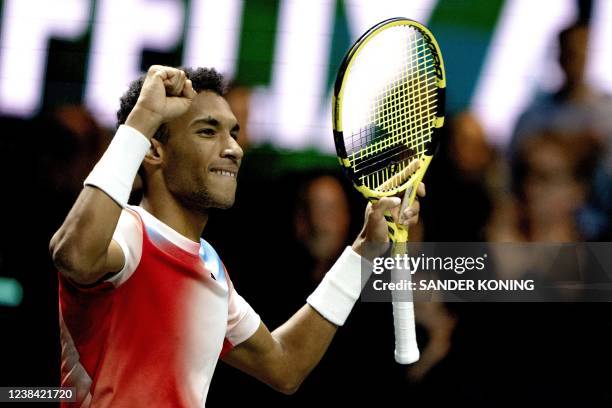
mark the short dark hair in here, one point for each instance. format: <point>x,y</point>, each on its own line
<point>202,79</point>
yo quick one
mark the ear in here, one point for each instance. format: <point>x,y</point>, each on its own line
<point>155,155</point>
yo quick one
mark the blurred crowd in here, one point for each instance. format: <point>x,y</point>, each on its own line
<point>295,213</point>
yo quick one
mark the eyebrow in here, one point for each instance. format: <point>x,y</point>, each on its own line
<point>213,122</point>
<point>206,121</point>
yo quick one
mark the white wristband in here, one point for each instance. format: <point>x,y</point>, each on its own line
<point>115,172</point>
<point>337,293</point>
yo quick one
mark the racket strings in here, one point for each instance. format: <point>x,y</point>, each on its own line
<point>414,99</point>
<point>402,115</point>
<point>416,146</point>
<point>417,121</point>
<point>393,103</point>
<point>385,103</point>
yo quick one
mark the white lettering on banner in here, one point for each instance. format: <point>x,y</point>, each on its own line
<point>213,34</point>
<point>295,111</point>
<point>600,48</point>
<point>121,31</point>
<point>298,73</point>
<point>27,26</point>
<point>513,69</point>
<point>363,14</point>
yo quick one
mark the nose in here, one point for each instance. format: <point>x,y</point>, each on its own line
<point>232,149</point>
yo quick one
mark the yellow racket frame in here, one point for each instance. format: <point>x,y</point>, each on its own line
<point>397,233</point>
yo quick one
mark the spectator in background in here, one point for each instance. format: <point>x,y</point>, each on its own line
<point>576,107</point>
<point>553,173</point>
<point>468,147</point>
<point>322,220</point>
<point>465,168</point>
<point>552,181</point>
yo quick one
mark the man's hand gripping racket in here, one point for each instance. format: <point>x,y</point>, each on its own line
<point>388,108</point>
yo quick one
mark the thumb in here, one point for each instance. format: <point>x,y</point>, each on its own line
<point>188,90</point>
<point>385,204</point>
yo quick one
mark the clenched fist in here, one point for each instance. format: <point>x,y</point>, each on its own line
<point>166,94</point>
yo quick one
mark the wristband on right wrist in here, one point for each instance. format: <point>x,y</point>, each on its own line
<point>115,172</point>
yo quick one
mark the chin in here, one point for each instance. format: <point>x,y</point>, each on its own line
<point>220,196</point>
<point>223,202</point>
<point>223,205</point>
<point>203,200</point>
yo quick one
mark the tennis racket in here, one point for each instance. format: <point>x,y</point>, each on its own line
<point>388,108</point>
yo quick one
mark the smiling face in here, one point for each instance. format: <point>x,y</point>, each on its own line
<point>201,155</point>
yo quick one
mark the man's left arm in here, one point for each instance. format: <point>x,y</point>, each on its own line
<point>284,358</point>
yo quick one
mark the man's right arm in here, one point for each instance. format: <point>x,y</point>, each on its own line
<point>82,248</point>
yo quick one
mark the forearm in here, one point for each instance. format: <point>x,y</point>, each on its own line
<point>303,339</point>
<point>282,359</point>
<point>286,356</point>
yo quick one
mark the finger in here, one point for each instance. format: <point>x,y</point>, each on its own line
<point>410,220</point>
<point>169,86</point>
<point>157,71</point>
<point>181,82</point>
<point>158,75</point>
<point>385,204</point>
<point>409,213</point>
<point>169,82</point>
<point>171,78</point>
<point>415,207</point>
<point>413,221</point>
<point>188,90</point>
<point>177,83</point>
<point>421,190</point>
<point>395,213</point>
<point>167,74</point>
<point>176,79</point>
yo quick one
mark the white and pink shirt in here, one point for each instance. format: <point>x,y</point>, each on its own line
<point>151,335</point>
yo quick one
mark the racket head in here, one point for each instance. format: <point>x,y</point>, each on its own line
<point>388,107</point>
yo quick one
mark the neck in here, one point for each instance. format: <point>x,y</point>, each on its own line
<point>167,209</point>
<point>575,92</point>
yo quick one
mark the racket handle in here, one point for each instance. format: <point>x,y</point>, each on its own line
<point>406,347</point>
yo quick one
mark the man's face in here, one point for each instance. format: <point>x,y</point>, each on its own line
<point>202,156</point>
<point>573,56</point>
<point>552,192</point>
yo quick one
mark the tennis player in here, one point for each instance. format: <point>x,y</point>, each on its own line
<point>146,306</point>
